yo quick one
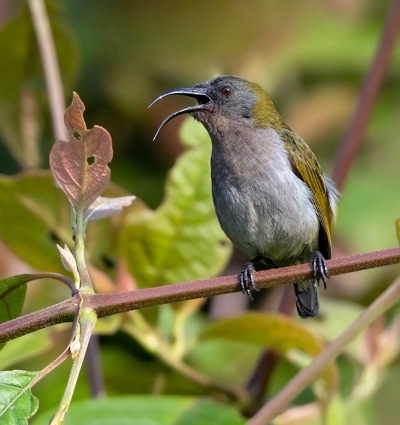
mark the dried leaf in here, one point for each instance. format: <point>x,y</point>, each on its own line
<point>104,207</point>
<point>80,165</point>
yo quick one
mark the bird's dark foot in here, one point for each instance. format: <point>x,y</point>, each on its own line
<point>246,279</point>
<point>319,268</point>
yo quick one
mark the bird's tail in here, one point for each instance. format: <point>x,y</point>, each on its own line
<point>306,299</point>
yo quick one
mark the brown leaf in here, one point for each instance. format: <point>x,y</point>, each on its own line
<point>80,165</point>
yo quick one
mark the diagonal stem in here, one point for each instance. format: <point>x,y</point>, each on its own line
<point>369,93</point>
<point>50,66</point>
<point>386,300</point>
<point>86,324</point>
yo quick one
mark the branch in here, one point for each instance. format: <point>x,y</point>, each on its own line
<point>50,66</point>
<point>369,93</point>
<point>109,304</point>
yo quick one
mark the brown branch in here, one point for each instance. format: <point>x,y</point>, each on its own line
<point>369,93</point>
<point>109,304</point>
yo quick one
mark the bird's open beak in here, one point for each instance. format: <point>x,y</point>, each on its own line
<point>203,99</point>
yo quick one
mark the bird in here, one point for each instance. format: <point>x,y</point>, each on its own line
<point>270,195</point>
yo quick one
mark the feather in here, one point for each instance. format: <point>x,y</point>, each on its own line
<point>305,166</point>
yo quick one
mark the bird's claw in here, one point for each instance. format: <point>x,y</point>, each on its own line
<point>246,279</point>
<point>319,268</point>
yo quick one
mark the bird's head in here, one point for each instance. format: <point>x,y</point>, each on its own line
<point>227,100</point>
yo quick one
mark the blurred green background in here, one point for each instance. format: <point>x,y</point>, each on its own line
<point>310,55</point>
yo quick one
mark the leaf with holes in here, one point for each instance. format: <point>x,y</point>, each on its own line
<point>17,404</point>
<point>80,165</point>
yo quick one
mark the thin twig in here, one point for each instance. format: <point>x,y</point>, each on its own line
<point>50,67</point>
<point>57,276</point>
<point>108,304</point>
<point>369,93</point>
<point>60,359</point>
<point>276,405</point>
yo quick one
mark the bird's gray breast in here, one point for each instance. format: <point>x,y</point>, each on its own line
<point>262,206</point>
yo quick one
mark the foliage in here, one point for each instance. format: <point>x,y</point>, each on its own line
<point>17,403</point>
<point>158,245</point>
<point>187,368</point>
<point>155,410</point>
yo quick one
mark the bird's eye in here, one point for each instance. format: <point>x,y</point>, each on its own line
<point>226,91</point>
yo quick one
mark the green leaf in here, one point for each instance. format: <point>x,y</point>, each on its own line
<point>148,371</point>
<point>203,412</point>
<point>34,200</point>
<point>182,239</point>
<point>17,404</point>
<point>37,216</point>
<point>150,410</point>
<point>335,413</point>
<point>24,347</point>
<point>214,359</point>
<point>12,296</point>
<point>281,333</point>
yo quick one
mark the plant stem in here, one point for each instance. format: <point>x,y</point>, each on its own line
<point>60,359</point>
<point>50,66</point>
<point>385,301</point>
<point>55,363</point>
<point>79,237</point>
<point>86,283</point>
<point>87,321</point>
<point>61,278</point>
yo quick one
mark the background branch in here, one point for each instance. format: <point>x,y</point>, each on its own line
<point>369,93</point>
<point>277,404</point>
<point>50,67</point>
<point>108,304</point>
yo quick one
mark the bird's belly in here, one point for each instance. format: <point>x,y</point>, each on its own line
<point>277,221</point>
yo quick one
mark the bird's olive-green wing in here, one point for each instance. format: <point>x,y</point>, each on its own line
<point>306,167</point>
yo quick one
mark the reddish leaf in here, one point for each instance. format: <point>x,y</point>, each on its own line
<point>80,165</point>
